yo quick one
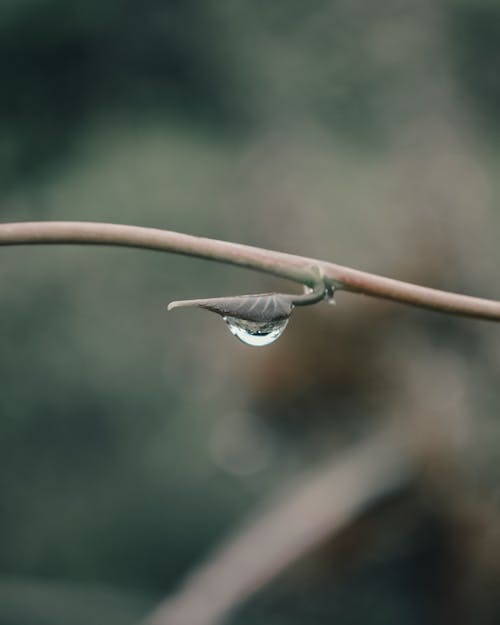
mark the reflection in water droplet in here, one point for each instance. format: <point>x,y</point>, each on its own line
<point>256,333</point>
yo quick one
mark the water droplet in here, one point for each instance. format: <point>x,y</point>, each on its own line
<point>330,295</point>
<point>256,333</point>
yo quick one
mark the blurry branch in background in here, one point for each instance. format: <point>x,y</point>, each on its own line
<point>297,268</point>
<point>321,505</point>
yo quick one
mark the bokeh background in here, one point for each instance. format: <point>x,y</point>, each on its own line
<point>131,440</point>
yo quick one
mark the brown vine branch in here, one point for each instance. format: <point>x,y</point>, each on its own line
<point>298,268</point>
<point>321,505</point>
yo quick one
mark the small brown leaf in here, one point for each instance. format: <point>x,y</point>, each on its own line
<point>257,308</point>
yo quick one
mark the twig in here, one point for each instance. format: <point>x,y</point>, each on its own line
<point>298,268</point>
<point>320,506</point>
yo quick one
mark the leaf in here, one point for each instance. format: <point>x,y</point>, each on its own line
<point>257,308</point>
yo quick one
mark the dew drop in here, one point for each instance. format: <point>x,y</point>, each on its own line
<point>256,333</point>
<point>330,295</point>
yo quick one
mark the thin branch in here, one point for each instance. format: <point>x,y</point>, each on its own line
<point>320,506</point>
<point>298,268</point>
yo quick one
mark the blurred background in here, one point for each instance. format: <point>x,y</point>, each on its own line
<point>131,440</point>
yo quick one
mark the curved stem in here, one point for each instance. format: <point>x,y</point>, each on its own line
<point>314,294</point>
<point>298,268</point>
